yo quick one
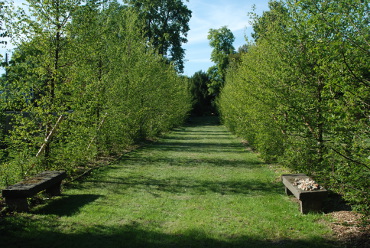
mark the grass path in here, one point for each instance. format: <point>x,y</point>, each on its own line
<point>196,187</point>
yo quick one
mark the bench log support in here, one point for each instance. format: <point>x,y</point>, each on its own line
<point>309,201</point>
<point>17,204</point>
<point>54,190</point>
<point>16,195</point>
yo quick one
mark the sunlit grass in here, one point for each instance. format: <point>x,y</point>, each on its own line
<point>197,187</point>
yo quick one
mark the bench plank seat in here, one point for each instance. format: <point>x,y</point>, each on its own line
<point>17,194</point>
<point>309,200</point>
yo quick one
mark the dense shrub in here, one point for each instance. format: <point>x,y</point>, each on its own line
<point>96,80</point>
<point>300,95</point>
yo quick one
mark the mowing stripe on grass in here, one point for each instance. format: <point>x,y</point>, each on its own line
<point>196,187</point>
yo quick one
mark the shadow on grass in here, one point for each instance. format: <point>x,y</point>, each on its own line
<point>66,205</point>
<point>200,142</point>
<point>45,228</point>
<point>24,231</point>
<point>187,185</point>
<point>200,147</point>
<point>184,149</point>
<point>183,136</point>
<point>190,162</point>
<point>203,121</point>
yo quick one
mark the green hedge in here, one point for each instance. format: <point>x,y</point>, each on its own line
<point>300,95</point>
<point>111,86</point>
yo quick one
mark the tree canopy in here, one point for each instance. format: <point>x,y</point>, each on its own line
<point>203,102</point>
<point>166,26</point>
<point>221,40</point>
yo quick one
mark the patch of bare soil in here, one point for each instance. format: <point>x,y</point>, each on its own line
<point>350,229</point>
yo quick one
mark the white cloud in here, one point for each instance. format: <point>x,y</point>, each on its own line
<point>215,14</point>
<point>207,14</point>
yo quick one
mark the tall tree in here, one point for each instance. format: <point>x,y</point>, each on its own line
<point>221,40</point>
<point>41,33</point>
<point>167,24</point>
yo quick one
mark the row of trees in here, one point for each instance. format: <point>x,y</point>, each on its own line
<point>91,69</point>
<point>206,86</point>
<point>300,95</point>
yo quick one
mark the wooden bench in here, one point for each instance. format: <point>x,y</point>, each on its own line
<point>309,200</point>
<point>16,195</point>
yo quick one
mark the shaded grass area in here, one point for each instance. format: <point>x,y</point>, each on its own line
<point>196,187</point>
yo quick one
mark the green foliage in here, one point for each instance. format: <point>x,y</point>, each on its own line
<point>202,100</point>
<point>221,40</point>
<point>3,32</point>
<point>3,42</point>
<point>245,111</point>
<point>300,95</point>
<point>166,26</point>
<point>93,66</point>
<point>2,135</point>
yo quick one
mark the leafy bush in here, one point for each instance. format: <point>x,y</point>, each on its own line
<point>300,94</point>
<point>96,88</point>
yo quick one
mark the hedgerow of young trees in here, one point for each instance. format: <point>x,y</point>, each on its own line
<point>301,94</point>
<point>86,68</point>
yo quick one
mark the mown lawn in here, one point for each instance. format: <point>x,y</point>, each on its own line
<point>196,187</point>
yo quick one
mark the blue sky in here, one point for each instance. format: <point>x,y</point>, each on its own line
<point>214,14</point>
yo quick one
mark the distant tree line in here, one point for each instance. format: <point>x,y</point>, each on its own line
<point>206,86</point>
<point>300,94</point>
<point>98,72</point>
